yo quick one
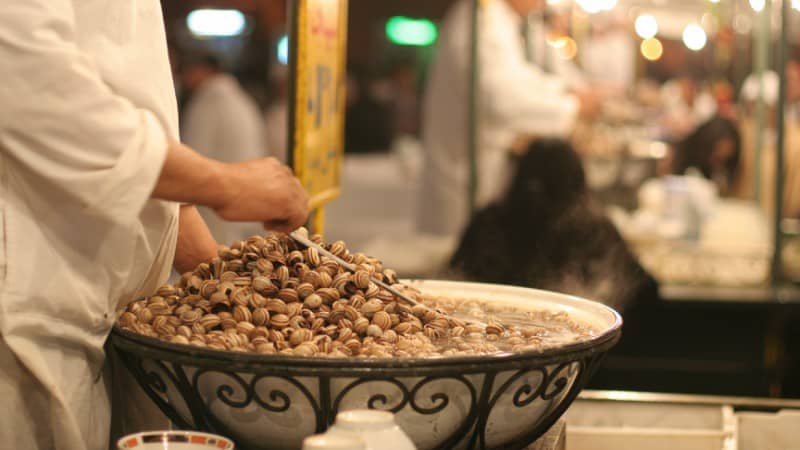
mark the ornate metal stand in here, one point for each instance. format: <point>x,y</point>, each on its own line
<point>266,402</point>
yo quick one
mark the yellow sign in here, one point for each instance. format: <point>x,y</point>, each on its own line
<point>317,122</point>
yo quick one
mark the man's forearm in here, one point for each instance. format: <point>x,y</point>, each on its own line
<point>259,190</point>
<point>189,177</point>
<point>195,242</point>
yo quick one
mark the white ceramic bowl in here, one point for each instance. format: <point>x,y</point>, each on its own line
<point>274,402</point>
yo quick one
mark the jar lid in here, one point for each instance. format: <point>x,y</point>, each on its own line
<point>330,441</point>
<point>359,419</point>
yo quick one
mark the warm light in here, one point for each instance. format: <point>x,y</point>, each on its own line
<point>553,2</point>
<point>415,32</point>
<point>796,5</point>
<point>595,6</point>
<point>216,22</point>
<point>714,1</point>
<point>646,26</point>
<point>757,5</point>
<point>651,49</point>
<point>568,49</point>
<point>694,37</point>
<point>607,5</point>
<point>556,41</point>
<point>283,50</point>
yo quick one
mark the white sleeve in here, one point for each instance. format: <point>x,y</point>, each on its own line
<point>63,124</point>
<point>515,92</point>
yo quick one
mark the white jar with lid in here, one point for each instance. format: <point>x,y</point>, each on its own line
<point>377,429</point>
<point>334,441</point>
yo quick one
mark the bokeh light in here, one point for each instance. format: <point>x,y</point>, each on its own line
<point>651,49</point>
<point>694,37</point>
<point>646,26</point>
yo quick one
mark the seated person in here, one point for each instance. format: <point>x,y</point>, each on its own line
<point>547,233</point>
<point>713,149</point>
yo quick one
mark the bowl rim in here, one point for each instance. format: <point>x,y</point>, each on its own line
<point>229,445</point>
<point>254,362</point>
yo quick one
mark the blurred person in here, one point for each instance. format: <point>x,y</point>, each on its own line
<point>609,40</point>
<point>276,116</point>
<point>714,150</point>
<point>405,100</point>
<point>686,105</point>
<point>725,97</point>
<point>547,233</point>
<point>97,205</point>
<point>368,121</point>
<point>544,32</point>
<point>221,121</point>
<point>515,98</point>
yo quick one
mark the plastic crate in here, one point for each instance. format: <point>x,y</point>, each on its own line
<point>600,425</point>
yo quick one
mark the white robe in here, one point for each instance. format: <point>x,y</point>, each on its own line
<point>515,98</point>
<point>86,105</point>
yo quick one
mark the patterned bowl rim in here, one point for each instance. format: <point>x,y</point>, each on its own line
<point>134,440</point>
<point>153,348</point>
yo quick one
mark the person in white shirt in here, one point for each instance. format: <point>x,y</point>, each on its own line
<point>608,56</point>
<point>515,98</point>
<point>276,116</point>
<point>544,31</point>
<point>221,121</point>
<point>96,197</point>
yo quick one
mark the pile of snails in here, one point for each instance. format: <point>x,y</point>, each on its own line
<point>269,295</point>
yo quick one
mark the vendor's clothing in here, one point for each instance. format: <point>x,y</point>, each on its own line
<point>86,106</point>
<point>515,98</point>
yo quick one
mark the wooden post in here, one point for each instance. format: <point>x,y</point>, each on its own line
<point>317,60</point>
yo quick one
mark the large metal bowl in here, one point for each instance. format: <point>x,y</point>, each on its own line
<point>484,402</point>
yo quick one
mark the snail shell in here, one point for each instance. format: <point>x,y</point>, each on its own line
<point>313,301</point>
<point>374,331</point>
<point>279,321</point>
<point>260,316</point>
<point>288,295</point>
<point>382,320</point>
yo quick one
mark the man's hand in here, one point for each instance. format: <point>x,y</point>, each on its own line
<point>263,190</point>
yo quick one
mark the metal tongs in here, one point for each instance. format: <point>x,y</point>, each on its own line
<point>304,241</point>
<point>300,239</point>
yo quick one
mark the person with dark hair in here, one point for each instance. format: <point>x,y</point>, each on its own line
<point>713,149</point>
<point>547,233</point>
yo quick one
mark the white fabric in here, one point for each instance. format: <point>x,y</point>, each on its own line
<point>548,58</point>
<point>86,104</point>
<point>751,88</point>
<point>222,122</point>
<point>515,98</point>
<point>610,58</point>
<point>680,117</point>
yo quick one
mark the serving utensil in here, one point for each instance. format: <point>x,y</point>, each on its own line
<point>304,241</point>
